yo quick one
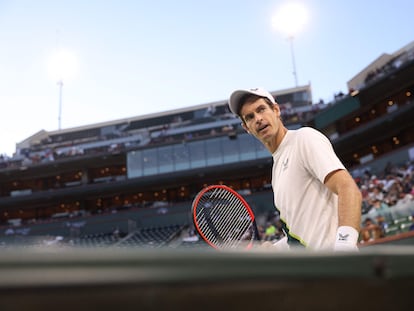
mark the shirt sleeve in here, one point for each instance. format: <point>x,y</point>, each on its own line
<point>317,153</point>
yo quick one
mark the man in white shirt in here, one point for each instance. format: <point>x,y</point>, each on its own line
<point>318,200</point>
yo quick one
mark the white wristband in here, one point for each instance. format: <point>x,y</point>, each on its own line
<point>346,239</point>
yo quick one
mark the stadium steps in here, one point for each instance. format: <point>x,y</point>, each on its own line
<point>150,237</point>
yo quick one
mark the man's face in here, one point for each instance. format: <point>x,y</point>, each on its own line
<point>261,120</point>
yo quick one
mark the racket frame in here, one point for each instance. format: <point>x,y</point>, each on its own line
<point>238,196</point>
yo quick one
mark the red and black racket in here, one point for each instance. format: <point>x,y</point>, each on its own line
<point>223,218</point>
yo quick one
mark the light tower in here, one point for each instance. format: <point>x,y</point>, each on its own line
<point>289,20</point>
<point>60,85</point>
<point>62,67</point>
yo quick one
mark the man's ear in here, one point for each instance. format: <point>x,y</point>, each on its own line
<point>245,127</point>
<point>277,109</point>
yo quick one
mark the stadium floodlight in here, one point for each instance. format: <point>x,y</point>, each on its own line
<point>63,66</point>
<point>289,20</point>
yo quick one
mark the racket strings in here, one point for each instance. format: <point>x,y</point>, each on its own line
<point>236,220</point>
<point>223,218</point>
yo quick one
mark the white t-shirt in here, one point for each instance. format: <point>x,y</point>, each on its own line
<point>307,207</point>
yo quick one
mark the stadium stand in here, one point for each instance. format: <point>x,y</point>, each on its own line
<point>139,175</point>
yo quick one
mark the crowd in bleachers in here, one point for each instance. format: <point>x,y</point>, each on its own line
<point>388,201</point>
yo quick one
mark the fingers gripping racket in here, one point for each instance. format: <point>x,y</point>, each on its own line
<point>223,218</point>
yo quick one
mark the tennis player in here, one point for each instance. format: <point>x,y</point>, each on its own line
<point>318,200</point>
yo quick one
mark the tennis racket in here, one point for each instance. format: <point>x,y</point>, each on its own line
<point>223,218</point>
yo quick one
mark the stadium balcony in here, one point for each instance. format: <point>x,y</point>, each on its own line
<point>135,133</point>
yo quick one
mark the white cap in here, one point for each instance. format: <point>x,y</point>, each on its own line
<point>236,96</point>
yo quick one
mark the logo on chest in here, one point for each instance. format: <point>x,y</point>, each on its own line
<point>285,163</point>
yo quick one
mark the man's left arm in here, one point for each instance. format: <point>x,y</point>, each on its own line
<point>349,208</point>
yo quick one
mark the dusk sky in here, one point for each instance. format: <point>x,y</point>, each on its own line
<point>134,58</point>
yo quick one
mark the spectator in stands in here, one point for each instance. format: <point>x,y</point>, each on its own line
<point>389,181</point>
<point>394,193</point>
<point>412,225</point>
<point>383,225</point>
<point>376,193</point>
<point>407,184</point>
<point>380,208</point>
<point>370,231</point>
<point>318,200</point>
